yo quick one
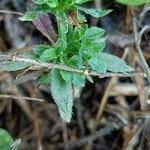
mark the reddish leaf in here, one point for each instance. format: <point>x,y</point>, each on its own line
<point>44,25</point>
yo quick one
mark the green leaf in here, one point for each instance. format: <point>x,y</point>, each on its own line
<point>80,1</point>
<point>50,3</point>
<point>133,2</point>
<point>60,44</point>
<point>5,139</point>
<point>65,4</point>
<point>78,80</point>
<point>105,62</point>
<point>90,48</point>
<point>28,16</point>
<point>62,94</point>
<point>49,54</point>
<point>62,23</point>
<point>39,2</point>
<point>93,33</point>
<point>28,54</point>
<point>74,78</point>
<point>44,79</point>
<point>13,66</point>
<point>81,18</point>
<point>94,12</point>
<point>82,29</point>
<point>75,61</point>
<point>39,49</point>
<point>73,39</point>
<point>33,11</point>
<point>67,76</point>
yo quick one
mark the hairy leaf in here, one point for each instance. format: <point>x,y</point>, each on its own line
<point>49,54</point>
<point>75,61</point>
<point>80,1</point>
<point>39,49</point>
<point>81,18</point>
<point>93,33</point>
<point>62,23</point>
<point>62,94</point>
<point>13,66</point>
<point>60,44</point>
<point>34,11</point>
<point>78,80</point>
<point>94,12</point>
<point>50,3</point>
<point>73,78</point>
<point>39,2</point>
<point>105,62</point>
<point>67,76</point>
<point>90,48</point>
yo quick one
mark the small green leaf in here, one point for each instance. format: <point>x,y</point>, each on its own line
<point>65,4</point>
<point>13,66</point>
<point>81,18</point>
<point>67,76</point>
<point>74,78</point>
<point>5,140</point>
<point>62,94</point>
<point>49,54</point>
<point>94,12</point>
<point>60,44</point>
<point>50,3</point>
<point>28,16</point>
<point>73,39</point>
<point>93,33</point>
<point>33,11</point>
<point>39,49</point>
<point>80,1</point>
<point>82,29</point>
<point>39,2</point>
<point>133,2</point>
<point>44,79</point>
<point>75,61</point>
<point>90,48</point>
<point>78,80</point>
<point>105,62</point>
<point>28,54</point>
<point>62,22</point>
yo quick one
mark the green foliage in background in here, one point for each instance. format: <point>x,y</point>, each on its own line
<point>133,2</point>
<point>77,46</point>
<point>6,141</point>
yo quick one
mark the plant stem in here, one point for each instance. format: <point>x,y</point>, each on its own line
<point>41,65</point>
<point>62,24</point>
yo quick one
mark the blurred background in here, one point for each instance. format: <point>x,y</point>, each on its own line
<point>113,113</point>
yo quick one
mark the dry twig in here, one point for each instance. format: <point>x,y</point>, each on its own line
<point>137,39</point>
<point>25,98</point>
<point>11,12</point>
